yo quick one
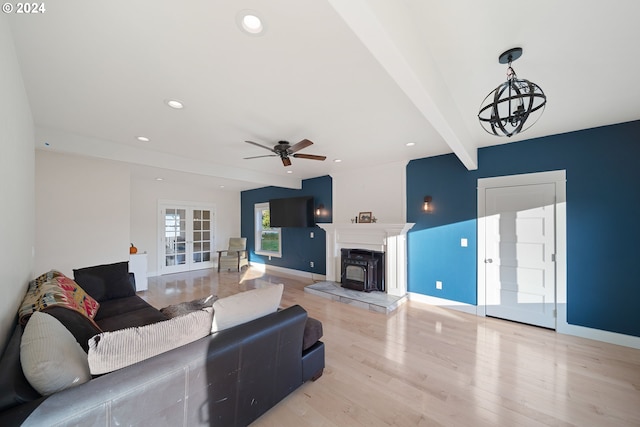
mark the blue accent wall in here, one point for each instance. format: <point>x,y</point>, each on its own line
<point>603,215</point>
<point>298,248</point>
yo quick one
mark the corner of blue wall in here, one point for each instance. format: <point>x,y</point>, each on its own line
<point>603,207</point>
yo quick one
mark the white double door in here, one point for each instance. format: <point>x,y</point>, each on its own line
<point>185,237</point>
<point>518,254</point>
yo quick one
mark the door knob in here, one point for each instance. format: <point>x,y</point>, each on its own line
<point>488,261</point>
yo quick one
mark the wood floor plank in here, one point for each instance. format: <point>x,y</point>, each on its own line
<point>429,366</point>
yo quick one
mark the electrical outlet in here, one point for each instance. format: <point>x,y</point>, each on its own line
<point>311,264</point>
<point>464,242</point>
<point>311,234</point>
<point>438,284</point>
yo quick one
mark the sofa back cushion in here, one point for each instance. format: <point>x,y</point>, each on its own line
<point>245,306</point>
<point>80,327</point>
<point>109,351</point>
<point>106,281</point>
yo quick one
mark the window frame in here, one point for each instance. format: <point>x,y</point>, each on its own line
<point>257,217</point>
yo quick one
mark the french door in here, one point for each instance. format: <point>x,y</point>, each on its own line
<point>186,237</point>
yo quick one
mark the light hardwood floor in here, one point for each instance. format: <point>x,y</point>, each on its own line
<point>428,366</point>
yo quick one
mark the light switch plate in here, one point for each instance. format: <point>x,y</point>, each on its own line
<point>464,242</point>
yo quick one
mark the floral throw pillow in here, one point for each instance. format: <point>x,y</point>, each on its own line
<point>54,289</point>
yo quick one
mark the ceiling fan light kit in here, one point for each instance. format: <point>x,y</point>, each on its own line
<point>515,105</point>
<point>284,150</point>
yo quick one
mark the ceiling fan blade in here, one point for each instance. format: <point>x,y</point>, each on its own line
<point>286,161</point>
<point>309,156</point>
<point>299,146</point>
<point>262,146</point>
<point>257,157</point>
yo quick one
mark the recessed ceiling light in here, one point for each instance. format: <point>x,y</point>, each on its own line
<point>143,138</point>
<point>250,22</point>
<point>289,171</point>
<point>174,103</point>
<point>337,160</point>
<point>159,179</point>
<point>222,186</point>
<point>410,144</point>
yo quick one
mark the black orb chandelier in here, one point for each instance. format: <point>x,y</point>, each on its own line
<point>515,105</point>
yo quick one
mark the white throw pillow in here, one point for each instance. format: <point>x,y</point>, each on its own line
<point>245,306</point>
<point>109,351</point>
<point>51,358</point>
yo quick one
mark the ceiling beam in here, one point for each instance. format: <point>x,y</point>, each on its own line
<point>388,31</point>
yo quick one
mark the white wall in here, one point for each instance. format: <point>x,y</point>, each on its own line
<point>380,190</point>
<point>145,194</point>
<point>82,212</point>
<point>89,210</point>
<point>16,184</point>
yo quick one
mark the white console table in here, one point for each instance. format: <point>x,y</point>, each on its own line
<point>138,266</point>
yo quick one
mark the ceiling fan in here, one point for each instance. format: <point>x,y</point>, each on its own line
<point>283,150</point>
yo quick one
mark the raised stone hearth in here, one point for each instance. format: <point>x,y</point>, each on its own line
<point>379,302</point>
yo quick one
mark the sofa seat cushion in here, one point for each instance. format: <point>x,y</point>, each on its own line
<point>118,306</point>
<point>106,281</point>
<point>312,333</point>
<point>110,351</point>
<point>138,315</point>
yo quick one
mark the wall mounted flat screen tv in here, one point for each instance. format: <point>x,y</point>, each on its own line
<point>292,212</point>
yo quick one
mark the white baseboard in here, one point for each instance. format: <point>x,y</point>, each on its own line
<point>562,328</point>
<point>599,335</point>
<point>444,303</point>
<point>288,272</point>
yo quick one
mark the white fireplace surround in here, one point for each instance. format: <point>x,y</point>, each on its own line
<point>388,238</point>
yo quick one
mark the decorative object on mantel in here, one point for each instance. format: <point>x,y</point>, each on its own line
<point>364,217</point>
<point>133,249</point>
<point>427,206</point>
<point>320,209</point>
<point>508,107</point>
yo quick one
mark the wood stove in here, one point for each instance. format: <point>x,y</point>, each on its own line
<point>362,269</point>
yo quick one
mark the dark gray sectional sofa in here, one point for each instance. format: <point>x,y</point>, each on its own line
<point>229,378</point>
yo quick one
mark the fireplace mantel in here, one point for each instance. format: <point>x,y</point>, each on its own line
<point>385,237</point>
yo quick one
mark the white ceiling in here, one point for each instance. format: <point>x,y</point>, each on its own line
<point>360,78</point>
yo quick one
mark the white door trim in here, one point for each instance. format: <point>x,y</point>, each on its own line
<point>555,177</point>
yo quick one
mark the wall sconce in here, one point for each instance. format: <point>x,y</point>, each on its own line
<point>427,204</point>
<point>319,209</point>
